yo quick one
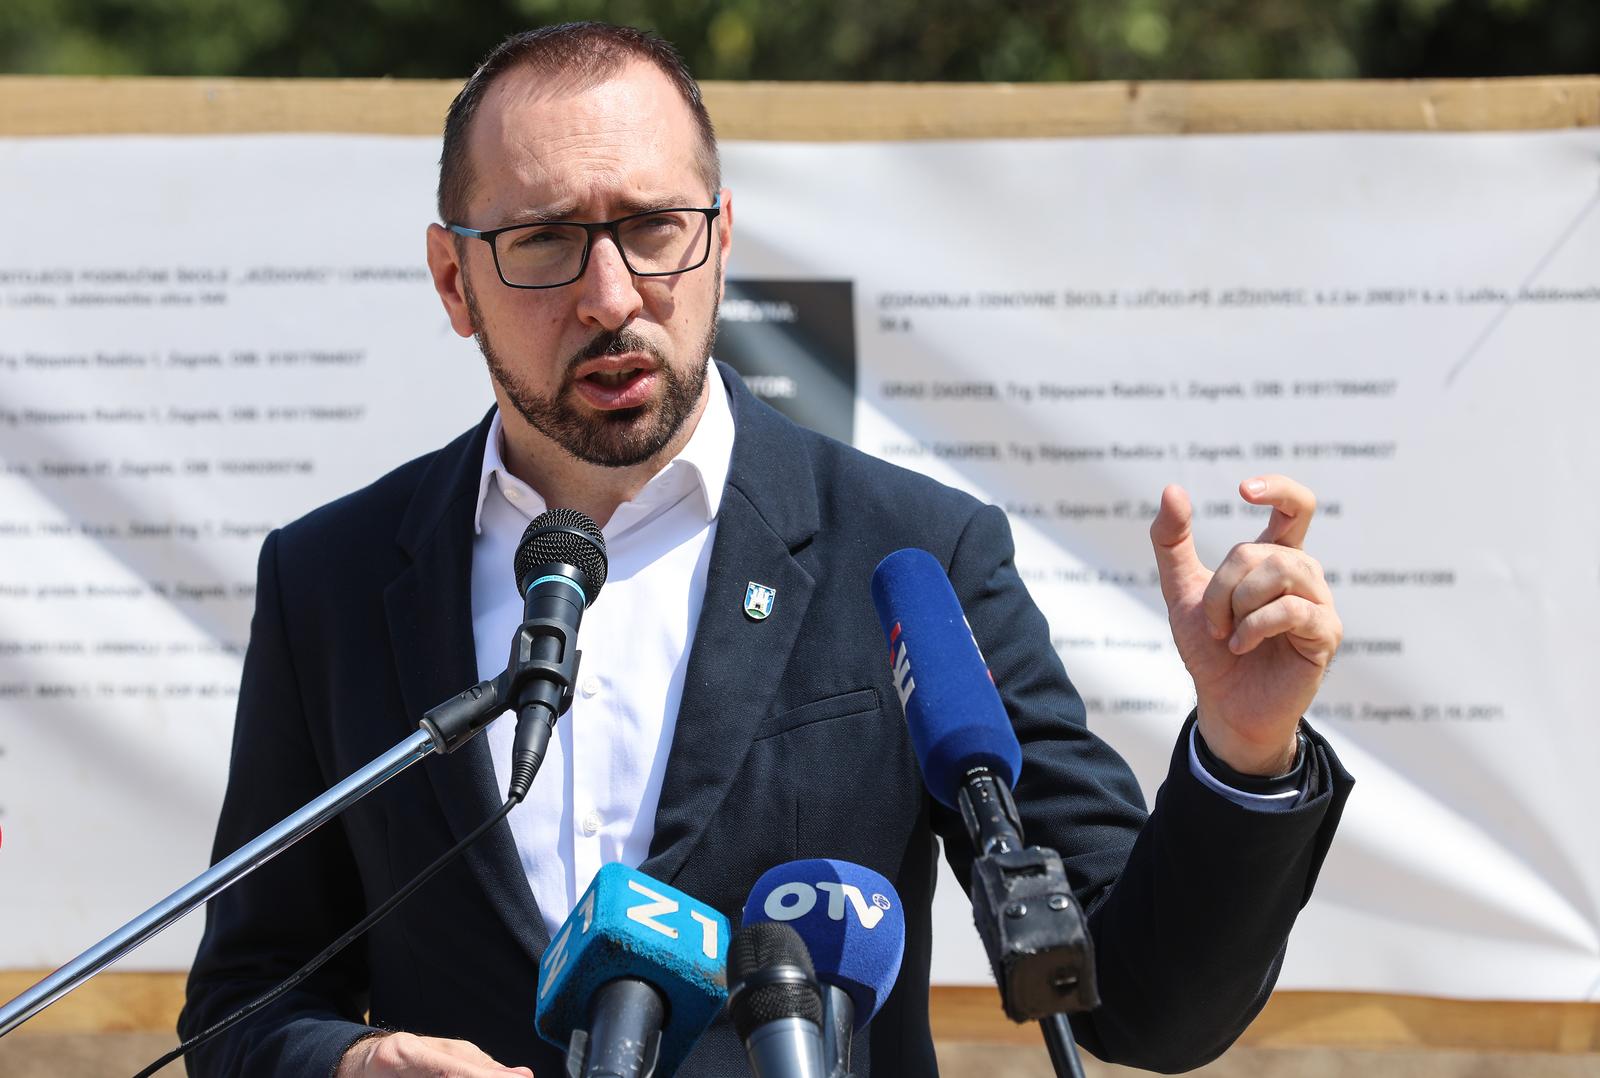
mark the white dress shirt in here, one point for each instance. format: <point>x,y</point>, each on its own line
<point>594,799</point>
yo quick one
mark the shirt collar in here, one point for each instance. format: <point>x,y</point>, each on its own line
<point>701,468</point>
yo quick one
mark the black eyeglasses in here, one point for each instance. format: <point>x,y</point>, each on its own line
<point>655,243</point>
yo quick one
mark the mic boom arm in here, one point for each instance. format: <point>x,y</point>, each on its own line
<point>562,547</point>
<point>253,854</point>
<point>443,729</point>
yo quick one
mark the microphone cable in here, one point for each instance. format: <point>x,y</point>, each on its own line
<point>333,948</point>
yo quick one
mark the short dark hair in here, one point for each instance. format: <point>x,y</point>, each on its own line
<point>585,52</point>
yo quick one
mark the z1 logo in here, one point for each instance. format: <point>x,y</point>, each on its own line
<point>657,913</point>
<point>792,901</point>
<point>649,914</point>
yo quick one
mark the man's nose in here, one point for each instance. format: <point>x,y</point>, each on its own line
<point>608,294</point>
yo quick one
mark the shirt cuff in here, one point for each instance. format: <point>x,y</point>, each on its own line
<point>1279,793</point>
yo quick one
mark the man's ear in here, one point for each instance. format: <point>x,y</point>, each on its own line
<point>444,263</point>
<point>725,238</point>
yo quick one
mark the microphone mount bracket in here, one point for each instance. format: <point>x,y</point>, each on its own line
<point>1031,924</point>
<point>993,823</point>
<point>453,723</point>
<point>537,682</point>
<point>543,667</point>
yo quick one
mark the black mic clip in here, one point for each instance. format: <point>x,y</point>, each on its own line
<point>544,666</point>
<point>453,723</point>
<point>1035,934</point>
<point>1032,926</point>
<point>545,683</point>
<point>537,683</point>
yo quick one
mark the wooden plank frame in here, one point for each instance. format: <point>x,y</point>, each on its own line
<point>823,112</point>
<point>149,1002</point>
<point>806,112</point>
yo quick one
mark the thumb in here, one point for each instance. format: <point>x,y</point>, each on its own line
<point>1173,539</point>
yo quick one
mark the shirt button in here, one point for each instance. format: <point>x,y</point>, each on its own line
<point>511,492</point>
<point>591,823</point>
<point>591,685</point>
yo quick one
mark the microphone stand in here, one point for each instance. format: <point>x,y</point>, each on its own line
<point>444,728</point>
<point>1032,926</point>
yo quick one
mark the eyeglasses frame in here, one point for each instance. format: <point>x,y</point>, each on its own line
<point>711,212</point>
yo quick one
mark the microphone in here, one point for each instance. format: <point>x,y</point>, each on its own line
<point>957,722</point>
<point>854,929</point>
<point>560,568</point>
<point>1030,922</point>
<point>633,978</point>
<point>774,1001</point>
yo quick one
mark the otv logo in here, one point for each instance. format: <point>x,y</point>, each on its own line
<point>792,901</point>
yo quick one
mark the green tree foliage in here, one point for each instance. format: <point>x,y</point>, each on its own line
<point>912,40</point>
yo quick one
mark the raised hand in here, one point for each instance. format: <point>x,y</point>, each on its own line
<point>1257,635</point>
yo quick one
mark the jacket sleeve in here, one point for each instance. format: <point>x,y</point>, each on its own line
<point>1190,909</point>
<point>273,920</point>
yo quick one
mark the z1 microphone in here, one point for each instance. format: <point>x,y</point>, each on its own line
<point>854,929</point>
<point>1031,924</point>
<point>560,567</point>
<point>633,978</point>
<point>774,1001</point>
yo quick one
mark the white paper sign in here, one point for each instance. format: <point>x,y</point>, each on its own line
<point>201,338</point>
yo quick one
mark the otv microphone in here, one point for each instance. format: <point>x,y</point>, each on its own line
<point>560,568</point>
<point>774,1001</point>
<point>633,978</point>
<point>1031,924</point>
<point>854,929</point>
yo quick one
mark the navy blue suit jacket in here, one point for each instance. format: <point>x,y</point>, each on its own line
<point>789,744</point>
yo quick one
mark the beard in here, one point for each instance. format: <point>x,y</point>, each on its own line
<point>613,439</point>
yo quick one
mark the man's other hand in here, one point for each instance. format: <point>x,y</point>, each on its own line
<point>403,1054</point>
<point>1257,635</point>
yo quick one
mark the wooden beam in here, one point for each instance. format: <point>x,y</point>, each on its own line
<point>149,1002</point>
<point>110,1003</point>
<point>40,105</point>
<point>1355,1020</point>
<point>888,111</point>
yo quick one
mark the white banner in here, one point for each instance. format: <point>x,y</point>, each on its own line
<point>201,338</point>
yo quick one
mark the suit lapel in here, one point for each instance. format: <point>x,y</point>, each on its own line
<point>768,512</point>
<point>429,608</point>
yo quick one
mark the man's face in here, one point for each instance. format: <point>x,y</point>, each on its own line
<point>611,367</point>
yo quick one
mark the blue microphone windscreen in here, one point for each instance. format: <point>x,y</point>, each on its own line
<point>850,919</point>
<point>956,719</point>
<point>629,925</point>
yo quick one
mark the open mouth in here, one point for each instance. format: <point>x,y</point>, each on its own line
<point>614,379</point>
<point>622,387</point>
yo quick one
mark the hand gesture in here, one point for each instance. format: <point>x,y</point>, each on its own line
<point>1257,635</point>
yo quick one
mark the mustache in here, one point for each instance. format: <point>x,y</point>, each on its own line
<point>614,343</point>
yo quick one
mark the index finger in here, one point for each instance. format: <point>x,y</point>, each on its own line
<point>1293,506</point>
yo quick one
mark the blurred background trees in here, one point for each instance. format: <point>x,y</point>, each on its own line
<point>912,40</point>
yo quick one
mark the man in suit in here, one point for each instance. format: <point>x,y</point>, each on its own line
<point>585,241</point>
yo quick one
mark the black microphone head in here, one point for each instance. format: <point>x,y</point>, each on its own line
<point>562,537</point>
<point>770,977</point>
